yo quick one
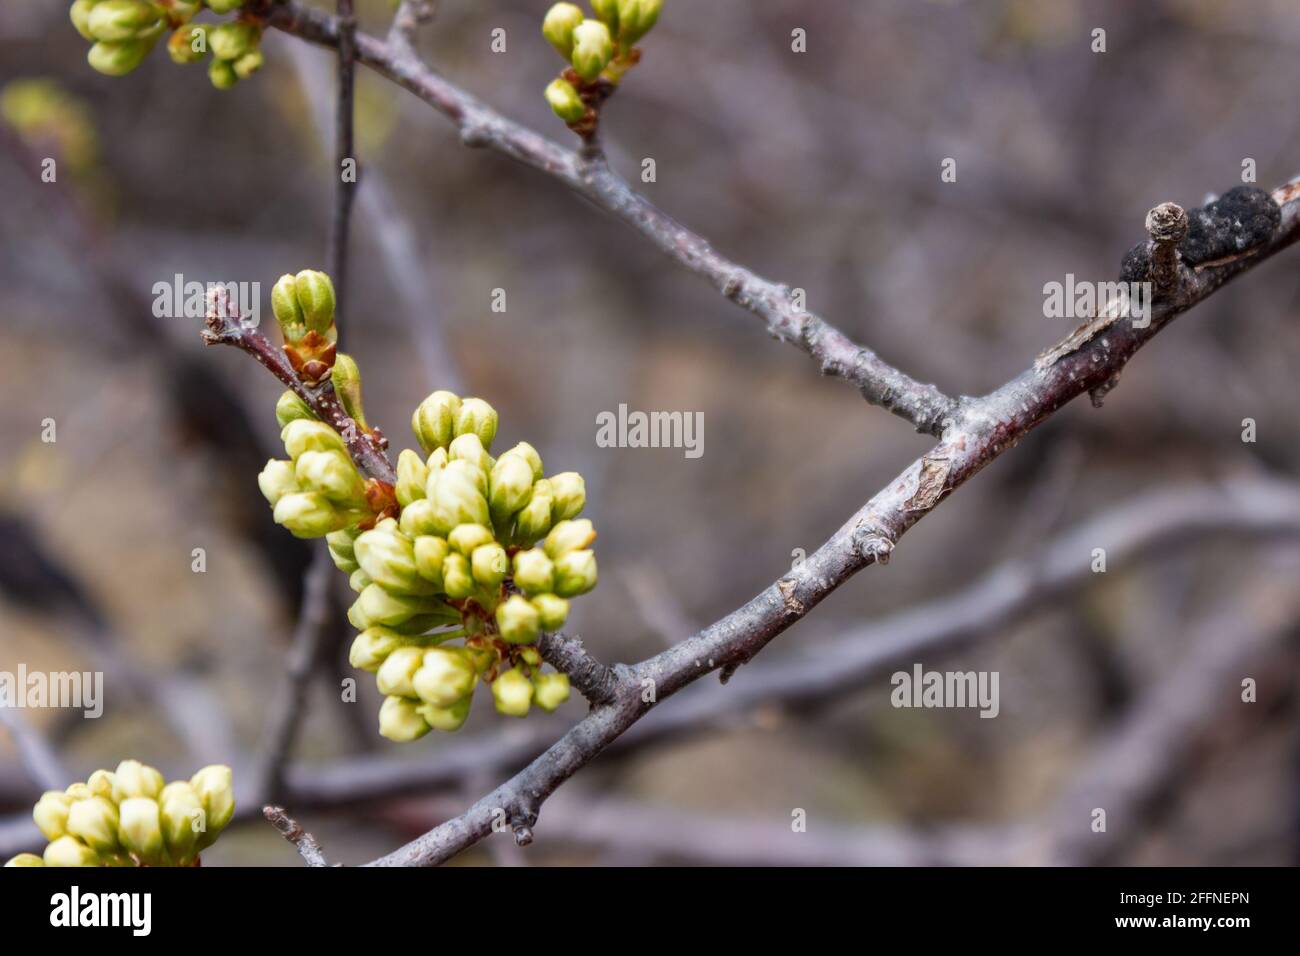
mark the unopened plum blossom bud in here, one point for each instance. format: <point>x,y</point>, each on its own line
<point>468,447</point>
<point>446,675</point>
<point>430,552</point>
<point>276,480</point>
<point>575,573</point>
<point>25,859</point>
<point>114,20</point>
<point>51,814</point>
<point>100,783</point>
<point>181,45</point>
<point>477,417</point>
<point>377,606</point>
<point>434,421</point>
<point>179,807</point>
<point>518,621</point>
<point>565,101</point>
<point>334,475</point>
<point>221,74</point>
<point>593,46</point>
<point>346,374</point>
<point>534,519</point>
<point>446,718</point>
<point>558,24</point>
<point>400,720</point>
<point>371,648</point>
<point>303,435</point>
<point>93,821</point>
<point>246,66</point>
<point>529,454</point>
<point>398,670</point>
<point>78,791</point>
<point>134,779</point>
<point>466,537</point>
<point>457,498</point>
<point>569,492</point>
<point>80,16</point>
<point>342,548</point>
<point>419,518</point>
<point>230,41</point>
<point>215,788</point>
<point>510,485</point>
<point>512,693</point>
<point>289,408</point>
<point>412,476</point>
<point>551,610</point>
<point>550,690</point>
<point>308,514</point>
<point>117,58</point>
<point>457,576</point>
<point>388,558</point>
<point>69,851</point>
<point>534,572</point>
<point>358,581</point>
<point>139,828</point>
<point>489,565</point>
<point>635,19</point>
<point>569,536</point>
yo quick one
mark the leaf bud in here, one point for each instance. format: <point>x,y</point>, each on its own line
<point>346,374</point>
<point>518,621</point>
<point>512,693</point>
<point>400,720</point>
<point>288,313</point>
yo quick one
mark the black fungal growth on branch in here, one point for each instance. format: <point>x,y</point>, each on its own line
<point>1238,221</point>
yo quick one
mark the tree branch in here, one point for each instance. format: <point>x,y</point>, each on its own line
<point>589,677</point>
<point>925,406</point>
<point>305,843</point>
<point>343,151</point>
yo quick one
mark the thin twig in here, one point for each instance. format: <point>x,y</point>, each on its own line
<point>344,153</point>
<point>305,843</point>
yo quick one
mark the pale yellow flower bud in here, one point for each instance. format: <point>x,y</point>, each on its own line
<point>446,674</point>
<point>550,690</point>
<point>93,821</point>
<point>512,693</point>
<point>518,621</point>
<point>400,720</point>
<point>69,851</point>
<point>140,830</point>
<point>134,779</point>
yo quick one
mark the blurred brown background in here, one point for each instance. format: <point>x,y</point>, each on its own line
<point>818,169</point>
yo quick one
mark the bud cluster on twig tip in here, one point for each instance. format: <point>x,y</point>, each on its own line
<point>304,308</point>
<point>124,31</point>
<point>599,51</point>
<point>131,817</point>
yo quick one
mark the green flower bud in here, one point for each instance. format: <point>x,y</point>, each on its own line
<point>51,814</point>
<point>510,484</point>
<point>388,558</point>
<point>69,851</point>
<point>230,41</point>
<point>117,58</point>
<point>569,536</point>
<point>512,693</point>
<point>469,448</point>
<point>518,621</point>
<point>593,47</point>
<point>558,24</point>
<point>80,15</point>
<point>215,788</point>
<point>446,675</point>
<point>377,606</point>
<point>180,11</point>
<point>457,576</point>
<point>346,374</point>
<point>397,671</point>
<point>284,303</point>
<point>276,480</point>
<point>309,514</point>
<point>534,519</point>
<point>466,537</point>
<point>221,74</point>
<point>575,573</point>
<point>551,609</point>
<point>100,783</point>
<point>334,475</point>
<point>529,454</point>
<point>607,10</point>
<point>26,859</point>
<point>570,493</point>
<point>550,690</point>
<point>358,580</point>
<point>635,19</point>
<point>534,572</point>
<point>430,552</point>
<point>412,476</point>
<point>446,718</point>
<point>179,807</point>
<point>489,565</point>
<point>114,20</point>
<point>315,290</point>
<point>246,66</point>
<point>134,779</point>
<point>371,648</point>
<point>477,417</point>
<point>437,461</point>
<point>181,44</point>
<point>139,829</point>
<point>78,791</point>
<point>419,518</point>
<point>342,548</point>
<point>289,408</point>
<point>400,720</point>
<point>457,498</point>
<point>94,822</point>
<point>302,435</point>
<point>435,419</point>
<point>565,101</point>
<point>225,6</point>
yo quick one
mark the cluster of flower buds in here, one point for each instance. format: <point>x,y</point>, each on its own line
<point>124,31</point>
<point>130,817</point>
<point>319,489</point>
<point>599,51</point>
